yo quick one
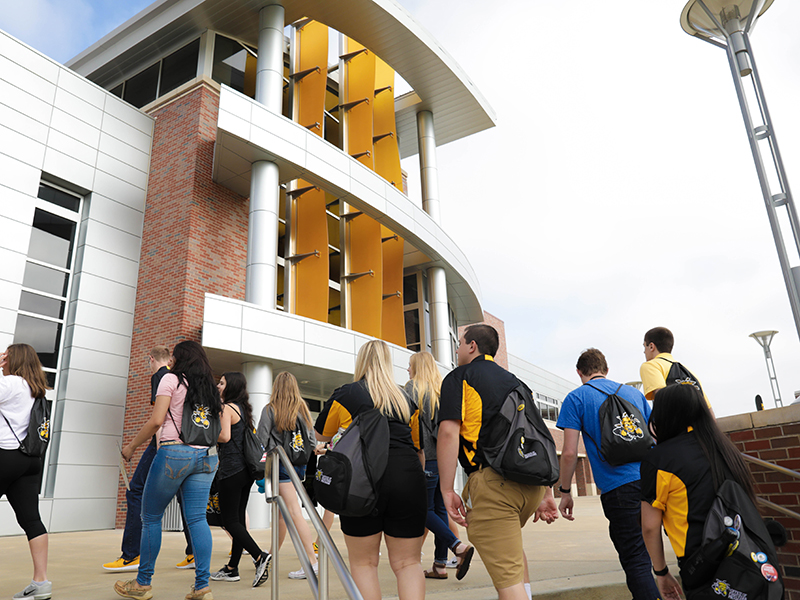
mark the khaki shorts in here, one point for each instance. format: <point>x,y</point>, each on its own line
<point>497,510</point>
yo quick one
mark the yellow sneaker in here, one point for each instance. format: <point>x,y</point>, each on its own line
<point>186,563</point>
<point>122,565</point>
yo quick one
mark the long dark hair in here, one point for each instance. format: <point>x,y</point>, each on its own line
<point>194,372</point>
<point>678,407</point>
<point>236,391</point>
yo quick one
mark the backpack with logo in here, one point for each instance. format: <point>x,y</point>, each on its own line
<point>624,435</point>
<point>738,559</point>
<point>199,425</point>
<point>348,475</point>
<point>517,443</point>
<point>253,451</point>
<point>297,444</point>
<point>679,374</point>
<point>35,443</point>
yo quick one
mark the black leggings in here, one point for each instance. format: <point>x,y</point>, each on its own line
<point>234,491</point>
<point>20,479</point>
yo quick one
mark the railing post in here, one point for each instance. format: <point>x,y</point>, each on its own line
<point>275,524</point>
<point>322,561</point>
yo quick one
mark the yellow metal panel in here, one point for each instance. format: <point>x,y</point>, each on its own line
<point>393,327</point>
<point>359,84</point>
<point>385,150</point>
<point>250,75</point>
<point>365,293</point>
<point>310,224</point>
<point>311,52</point>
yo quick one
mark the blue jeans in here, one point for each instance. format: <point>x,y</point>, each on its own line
<point>623,509</point>
<point>187,471</point>
<point>436,520</point>
<point>132,535</point>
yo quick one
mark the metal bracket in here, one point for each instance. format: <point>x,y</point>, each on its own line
<point>354,276</point>
<point>761,132</point>
<point>314,125</point>
<point>383,89</point>
<point>391,237</point>
<point>351,55</point>
<point>349,105</point>
<point>300,191</point>
<point>300,75</point>
<point>351,215</point>
<point>333,308</point>
<point>299,24</point>
<point>358,155</point>
<point>779,200</point>
<point>395,295</point>
<point>298,257</point>
<point>377,138</point>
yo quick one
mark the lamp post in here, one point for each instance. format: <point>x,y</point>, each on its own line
<point>764,339</point>
<point>727,24</point>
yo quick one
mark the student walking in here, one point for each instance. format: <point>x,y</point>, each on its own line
<point>21,382</point>
<point>178,468</point>
<point>234,480</point>
<point>401,510</point>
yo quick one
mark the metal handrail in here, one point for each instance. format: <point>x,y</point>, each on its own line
<point>327,549</point>
<point>779,469</point>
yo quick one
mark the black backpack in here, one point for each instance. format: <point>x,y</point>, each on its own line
<point>518,444</point>
<point>680,374</point>
<point>297,444</point>
<point>199,426</point>
<point>738,558</point>
<point>348,475</point>
<point>624,435</point>
<point>253,451</point>
<point>35,443</point>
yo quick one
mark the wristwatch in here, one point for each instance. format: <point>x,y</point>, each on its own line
<point>563,491</point>
<point>662,572</point>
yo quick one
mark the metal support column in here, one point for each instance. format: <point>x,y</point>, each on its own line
<point>269,68</point>
<point>259,387</point>
<point>428,171</point>
<point>764,339</point>
<point>440,317</point>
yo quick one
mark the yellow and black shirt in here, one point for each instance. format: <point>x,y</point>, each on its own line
<point>473,394</point>
<point>676,479</point>
<point>352,398</point>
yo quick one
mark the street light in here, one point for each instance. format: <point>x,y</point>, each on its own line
<point>727,24</point>
<point>764,339</point>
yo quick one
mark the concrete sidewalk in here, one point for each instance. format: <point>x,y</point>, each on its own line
<point>563,558</point>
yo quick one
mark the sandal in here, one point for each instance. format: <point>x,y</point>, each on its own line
<point>465,558</point>
<point>434,573</point>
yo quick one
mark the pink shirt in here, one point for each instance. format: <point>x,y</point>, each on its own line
<point>177,393</point>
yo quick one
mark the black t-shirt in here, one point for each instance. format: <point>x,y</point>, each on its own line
<point>676,478</point>
<point>155,379</point>
<point>473,394</point>
<point>352,398</point>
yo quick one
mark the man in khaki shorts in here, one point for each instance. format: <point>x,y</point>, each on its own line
<point>493,509</point>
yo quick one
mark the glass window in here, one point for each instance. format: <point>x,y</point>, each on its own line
<point>117,91</point>
<point>59,198</point>
<point>51,239</point>
<point>179,67</point>
<point>43,335</point>
<point>410,289</point>
<point>335,265</point>
<point>44,279</point>
<point>412,328</point>
<point>141,89</point>
<point>230,63</point>
<point>42,305</point>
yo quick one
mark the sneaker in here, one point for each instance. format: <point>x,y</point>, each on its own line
<point>131,589</point>
<point>195,595</point>
<point>316,548</point>
<point>301,574</point>
<point>186,563</point>
<point>225,574</point>
<point>262,568</point>
<point>122,565</point>
<point>452,563</point>
<point>37,591</point>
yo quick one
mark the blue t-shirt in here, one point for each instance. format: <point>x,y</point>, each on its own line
<point>580,411</point>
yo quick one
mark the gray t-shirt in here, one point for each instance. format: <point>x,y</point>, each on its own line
<point>270,437</point>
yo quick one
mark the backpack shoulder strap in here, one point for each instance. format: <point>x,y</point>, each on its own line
<point>666,359</point>
<point>10,428</point>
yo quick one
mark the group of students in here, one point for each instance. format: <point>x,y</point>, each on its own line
<point>686,468</point>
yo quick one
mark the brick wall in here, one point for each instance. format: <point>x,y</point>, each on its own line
<point>194,241</point>
<point>774,436</point>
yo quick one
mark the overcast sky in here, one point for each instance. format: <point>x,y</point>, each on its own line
<point>617,192</point>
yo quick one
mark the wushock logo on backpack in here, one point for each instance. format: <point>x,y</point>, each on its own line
<point>678,374</point>
<point>624,437</point>
<point>297,444</point>
<point>517,443</point>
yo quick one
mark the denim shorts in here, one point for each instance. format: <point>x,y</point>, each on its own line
<point>283,474</point>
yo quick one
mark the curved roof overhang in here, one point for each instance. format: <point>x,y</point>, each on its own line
<point>385,27</point>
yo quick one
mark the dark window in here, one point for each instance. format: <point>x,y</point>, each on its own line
<point>117,91</point>
<point>43,335</point>
<point>334,265</point>
<point>412,329</point>
<point>51,239</point>
<point>59,198</point>
<point>230,61</point>
<point>410,289</point>
<point>141,89</point>
<point>314,406</point>
<point>179,67</point>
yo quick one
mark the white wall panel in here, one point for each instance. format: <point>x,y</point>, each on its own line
<point>16,236</point>
<point>75,128</point>
<point>263,344</point>
<point>102,317</point>
<point>22,54</point>
<point>23,102</point>
<point>91,417</point>
<point>88,449</point>
<point>126,113</point>
<point>27,80</point>
<point>222,336</point>
<point>119,191</point>
<point>103,341</point>
<point>13,265</point>
<point>98,262</point>
<point>99,362</point>
<point>81,88</point>
<point>82,514</point>
<point>223,313</point>
<point>78,481</point>
<point>72,147</point>
<point>113,240</point>
<point>103,291</point>
<point>23,124</point>
<point>19,176</point>
<point>21,147</point>
<point>276,324</point>
<point>116,214</point>
<point>68,168</point>
<point>91,387</point>
<point>121,130</point>
<point>8,322</point>
<point>124,152</point>
<point>9,295</point>
<point>79,108</point>
<point>115,167</point>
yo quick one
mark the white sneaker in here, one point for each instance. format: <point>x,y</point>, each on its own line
<point>42,591</point>
<point>452,563</point>
<point>301,574</point>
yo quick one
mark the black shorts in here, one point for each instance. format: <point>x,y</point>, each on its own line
<point>402,502</point>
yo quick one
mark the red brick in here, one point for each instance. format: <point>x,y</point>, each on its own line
<point>757,445</point>
<point>768,432</point>
<point>764,489</point>
<point>785,442</point>
<point>790,486</point>
<point>791,428</point>
<point>773,455</point>
<point>793,452</point>
<point>741,436</point>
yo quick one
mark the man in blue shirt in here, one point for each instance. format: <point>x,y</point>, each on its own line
<point>620,497</point>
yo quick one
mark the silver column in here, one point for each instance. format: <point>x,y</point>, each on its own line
<point>440,319</point>
<point>262,235</point>
<point>259,387</point>
<point>428,171</point>
<point>269,69</point>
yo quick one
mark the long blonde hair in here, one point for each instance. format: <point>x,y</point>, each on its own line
<point>374,363</point>
<point>427,379</point>
<point>24,362</point>
<point>287,403</point>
